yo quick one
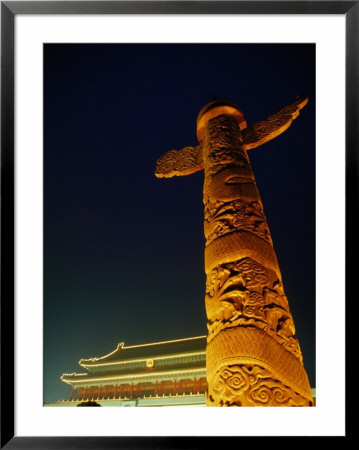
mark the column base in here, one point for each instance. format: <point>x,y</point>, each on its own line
<point>246,367</point>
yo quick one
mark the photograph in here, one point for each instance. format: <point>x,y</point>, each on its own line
<point>179,215</point>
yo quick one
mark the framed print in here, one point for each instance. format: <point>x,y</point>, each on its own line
<point>103,256</point>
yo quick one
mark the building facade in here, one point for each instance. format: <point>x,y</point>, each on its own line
<point>170,373</point>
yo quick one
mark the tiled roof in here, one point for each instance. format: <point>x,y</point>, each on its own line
<point>147,351</point>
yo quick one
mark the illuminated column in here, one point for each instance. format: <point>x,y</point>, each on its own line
<point>93,392</point>
<point>253,356</point>
<point>77,394</point>
<point>71,393</point>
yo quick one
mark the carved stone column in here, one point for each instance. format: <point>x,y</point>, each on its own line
<point>253,355</point>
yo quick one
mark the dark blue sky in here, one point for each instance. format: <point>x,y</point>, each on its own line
<point>123,250</point>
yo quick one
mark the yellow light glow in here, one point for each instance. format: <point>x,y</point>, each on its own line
<point>119,347</point>
<point>122,346</point>
<point>73,374</point>
<point>131,377</point>
<point>126,361</point>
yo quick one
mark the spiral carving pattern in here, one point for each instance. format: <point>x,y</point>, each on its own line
<point>253,355</point>
<point>244,288</point>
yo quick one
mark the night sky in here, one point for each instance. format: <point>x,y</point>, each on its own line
<point>123,250</point>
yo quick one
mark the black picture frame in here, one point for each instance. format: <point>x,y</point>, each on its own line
<point>9,9</point>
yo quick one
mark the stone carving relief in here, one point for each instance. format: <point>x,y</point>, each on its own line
<point>190,159</point>
<point>268,129</point>
<point>226,217</point>
<point>251,385</point>
<point>245,293</point>
<point>180,162</point>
